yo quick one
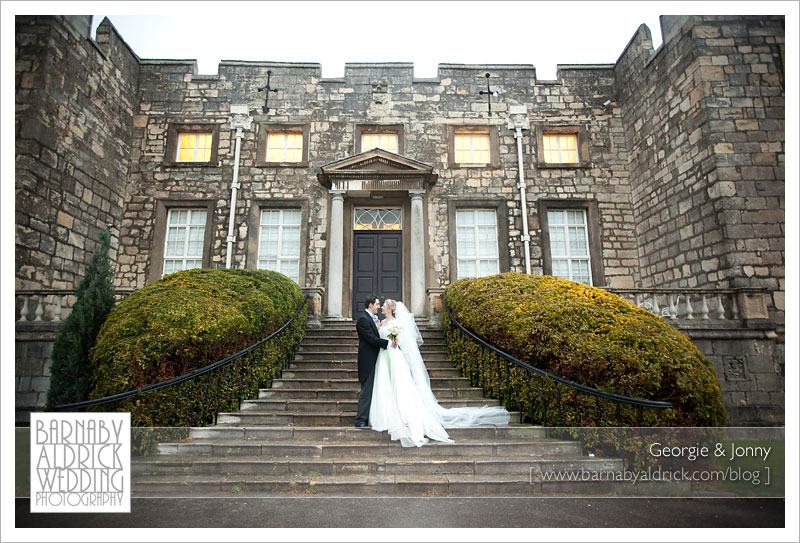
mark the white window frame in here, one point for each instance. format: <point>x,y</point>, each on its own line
<point>569,258</point>
<point>476,258</point>
<point>381,137</point>
<point>472,135</point>
<point>197,135</point>
<point>279,259</point>
<point>285,153</point>
<point>559,136</point>
<point>187,227</point>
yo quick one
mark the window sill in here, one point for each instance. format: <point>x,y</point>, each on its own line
<point>208,164</point>
<point>303,164</point>
<point>562,165</point>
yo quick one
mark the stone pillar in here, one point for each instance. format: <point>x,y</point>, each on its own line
<point>417,306</point>
<point>336,255</point>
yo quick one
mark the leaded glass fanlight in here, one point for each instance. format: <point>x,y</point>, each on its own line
<point>378,219</point>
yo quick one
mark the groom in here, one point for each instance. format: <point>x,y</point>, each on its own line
<point>369,345</point>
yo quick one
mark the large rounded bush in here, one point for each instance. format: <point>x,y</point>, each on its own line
<point>188,320</point>
<point>592,337</point>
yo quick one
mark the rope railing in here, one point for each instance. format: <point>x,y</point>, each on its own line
<point>193,375</point>
<point>507,395</point>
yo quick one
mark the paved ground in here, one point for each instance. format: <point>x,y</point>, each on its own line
<point>445,512</point>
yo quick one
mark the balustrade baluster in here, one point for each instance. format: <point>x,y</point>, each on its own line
<point>688,304</point>
<point>39,310</point>
<point>656,309</point>
<point>704,308</point>
<point>720,308</point>
<point>59,308</point>
<point>25,311</point>
<point>734,308</point>
<point>673,310</point>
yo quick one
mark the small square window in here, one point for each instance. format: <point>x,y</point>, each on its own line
<point>284,146</point>
<point>194,147</point>
<point>560,148</point>
<point>472,147</point>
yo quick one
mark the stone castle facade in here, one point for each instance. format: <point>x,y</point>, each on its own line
<point>659,177</point>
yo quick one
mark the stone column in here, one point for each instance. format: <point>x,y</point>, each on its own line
<point>336,254</point>
<point>417,306</point>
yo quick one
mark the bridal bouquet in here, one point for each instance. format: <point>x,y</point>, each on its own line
<point>394,330</point>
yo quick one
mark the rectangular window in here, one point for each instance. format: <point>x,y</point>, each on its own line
<point>381,140</point>
<point>279,242</point>
<point>186,230</point>
<point>476,243</point>
<point>560,148</point>
<point>194,147</point>
<point>472,147</point>
<point>284,146</point>
<point>569,244</point>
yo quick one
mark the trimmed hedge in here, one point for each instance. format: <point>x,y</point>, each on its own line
<point>188,320</point>
<point>586,335</point>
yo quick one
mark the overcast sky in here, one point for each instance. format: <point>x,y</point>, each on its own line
<point>426,33</point>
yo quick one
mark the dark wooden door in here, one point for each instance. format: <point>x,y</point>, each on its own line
<point>377,267</point>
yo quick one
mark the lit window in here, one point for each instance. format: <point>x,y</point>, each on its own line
<point>284,146</point>
<point>560,148</point>
<point>279,242</point>
<point>472,147</point>
<point>381,140</point>
<point>569,244</point>
<point>476,243</point>
<point>194,147</point>
<point>186,230</point>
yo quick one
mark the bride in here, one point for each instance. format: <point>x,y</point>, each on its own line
<point>402,400</point>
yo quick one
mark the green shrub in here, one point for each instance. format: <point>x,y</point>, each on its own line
<point>586,335</point>
<point>188,320</point>
<point>69,373</point>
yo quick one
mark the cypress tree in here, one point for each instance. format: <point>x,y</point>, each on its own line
<point>69,372</point>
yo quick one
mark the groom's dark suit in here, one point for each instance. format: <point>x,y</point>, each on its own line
<point>369,345</point>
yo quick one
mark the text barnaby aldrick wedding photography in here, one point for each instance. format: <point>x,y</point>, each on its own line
<point>80,462</point>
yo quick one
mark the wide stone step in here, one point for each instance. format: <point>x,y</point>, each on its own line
<point>430,362</point>
<point>352,383</point>
<point>313,482</point>
<point>352,394</point>
<point>351,357</point>
<point>260,465</point>
<point>281,418</point>
<point>352,373</point>
<point>352,348</point>
<point>372,450</point>
<point>348,433</point>
<point>353,342</point>
<point>331,406</point>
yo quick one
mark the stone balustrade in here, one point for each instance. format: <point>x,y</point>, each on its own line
<point>49,305</point>
<point>738,306</point>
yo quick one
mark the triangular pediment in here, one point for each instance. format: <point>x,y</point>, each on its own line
<point>378,161</point>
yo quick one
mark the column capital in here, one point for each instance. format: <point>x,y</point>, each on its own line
<point>337,194</point>
<point>416,193</point>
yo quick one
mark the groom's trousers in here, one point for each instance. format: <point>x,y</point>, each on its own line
<point>365,399</point>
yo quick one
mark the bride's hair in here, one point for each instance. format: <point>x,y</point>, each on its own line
<point>390,304</point>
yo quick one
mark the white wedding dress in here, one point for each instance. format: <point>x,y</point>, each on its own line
<point>402,400</point>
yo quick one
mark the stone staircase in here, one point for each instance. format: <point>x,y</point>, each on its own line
<point>298,438</point>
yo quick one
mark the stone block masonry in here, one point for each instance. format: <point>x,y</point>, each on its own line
<point>74,107</point>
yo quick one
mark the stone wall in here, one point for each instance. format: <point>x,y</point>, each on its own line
<point>382,94</point>
<point>704,124</point>
<point>74,104</point>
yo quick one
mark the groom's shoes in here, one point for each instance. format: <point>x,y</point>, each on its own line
<point>362,425</point>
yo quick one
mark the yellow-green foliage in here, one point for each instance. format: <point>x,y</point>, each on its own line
<point>589,336</point>
<point>188,320</point>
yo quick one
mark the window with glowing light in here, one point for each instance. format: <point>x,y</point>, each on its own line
<point>560,148</point>
<point>472,147</point>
